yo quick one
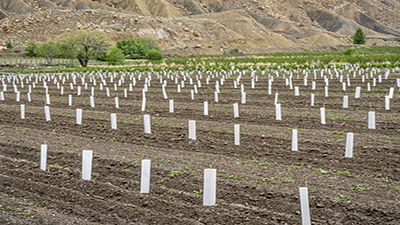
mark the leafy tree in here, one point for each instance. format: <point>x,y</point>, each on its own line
<point>66,51</point>
<point>359,37</point>
<point>154,54</point>
<point>31,49</point>
<point>138,48</point>
<point>86,45</point>
<point>148,43</point>
<point>132,49</point>
<point>115,57</point>
<point>48,50</point>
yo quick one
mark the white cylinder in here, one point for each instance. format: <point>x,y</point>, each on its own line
<point>312,99</point>
<point>294,140</point>
<point>113,121</point>
<point>206,108</point>
<point>79,116</point>
<point>70,100</point>
<point>278,114</point>
<point>371,120</point>
<point>391,92</point>
<point>43,157</point>
<point>22,109</point>
<point>358,91</point>
<point>17,96</point>
<point>87,156</point>
<point>322,112</point>
<point>349,145</point>
<point>145,176</point>
<point>237,134</point>
<point>91,101</point>
<point>116,100</point>
<point>171,105</point>
<point>147,126</point>
<point>143,104</point>
<point>296,91</point>
<point>304,205</point>
<point>235,110</point>
<point>387,102</point>
<point>47,99</point>
<point>345,101</point>
<point>210,187</point>
<point>47,113</point>
<point>243,98</point>
<point>192,129</point>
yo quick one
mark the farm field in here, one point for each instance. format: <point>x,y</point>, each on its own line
<point>257,181</point>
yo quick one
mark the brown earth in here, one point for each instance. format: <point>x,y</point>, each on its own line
<point>214,25</point>
<point>257,182</point>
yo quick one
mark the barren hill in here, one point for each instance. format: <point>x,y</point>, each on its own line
<point>209,24</point>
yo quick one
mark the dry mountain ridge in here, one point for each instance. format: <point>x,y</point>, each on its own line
<point>254,24</point>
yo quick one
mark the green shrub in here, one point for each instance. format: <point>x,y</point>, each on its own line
<point>154,55</point>
<point>31,48</point>
<point>115,57</point>
<point>9,45</point>
<point>350,51</point>
<point>138,48</point>
<point>359,37</point>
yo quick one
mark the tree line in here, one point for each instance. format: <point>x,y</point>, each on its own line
<point>87,45</point>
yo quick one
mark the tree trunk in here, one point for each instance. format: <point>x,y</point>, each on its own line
<point>83,62</point>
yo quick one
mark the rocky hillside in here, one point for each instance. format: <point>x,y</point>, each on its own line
<point>212,25</point>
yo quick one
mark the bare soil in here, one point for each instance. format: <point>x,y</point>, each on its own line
<point>257,182</point>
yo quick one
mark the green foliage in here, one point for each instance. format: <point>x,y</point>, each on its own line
<point>148,43</point>
<point>360,187</point>
<point>9,45</point>
<point>66,51</point>
<point>86,45</point>
<point>31,49</point>
<point>48,50</point>
<point>343,172</point>
<point>349,51</point>
<point>173,174</point>
<point>115,57</point>
<point>321,170</point>
<point>153,54</point>
<point>131,49</point>
<point>198,192</point>
<point>138,48</point>
<point>359,37</point>
<point>341,198</point>
<point>240,163</point>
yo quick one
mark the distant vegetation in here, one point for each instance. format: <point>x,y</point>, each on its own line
<point>359,37</point>
<point>88,45</point>
<point>138,48</point>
